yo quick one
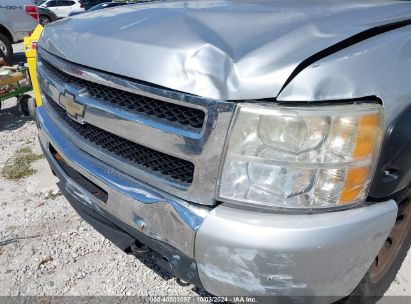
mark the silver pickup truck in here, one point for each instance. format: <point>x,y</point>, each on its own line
<point>262,148</point>
<point>18,18</point>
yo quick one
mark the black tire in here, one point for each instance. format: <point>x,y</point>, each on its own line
<point>23,101</point>
<point>5,46</point>
<point>44,20</point>
<point>369,290</point>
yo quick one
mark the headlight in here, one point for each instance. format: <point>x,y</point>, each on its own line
<point>301,157</point>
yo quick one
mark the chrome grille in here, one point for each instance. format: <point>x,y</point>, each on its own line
<point>136,154</point>
<point>135,103</point>
<point>175,158</point>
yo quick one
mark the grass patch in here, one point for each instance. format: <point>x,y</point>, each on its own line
<point>20,165</point>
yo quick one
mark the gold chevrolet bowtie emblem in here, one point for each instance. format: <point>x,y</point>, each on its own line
<point>73,109</point>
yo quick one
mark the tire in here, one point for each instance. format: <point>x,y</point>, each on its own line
<point>5,46</point>
<point>44,20</point>
<point>374,284</point>
<point>24,101</point>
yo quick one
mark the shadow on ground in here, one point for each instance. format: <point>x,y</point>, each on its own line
<point>12,118</point>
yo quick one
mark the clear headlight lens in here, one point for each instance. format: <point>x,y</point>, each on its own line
<point>301,157</point>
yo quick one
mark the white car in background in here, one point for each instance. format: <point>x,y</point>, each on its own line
<point>62,8</point>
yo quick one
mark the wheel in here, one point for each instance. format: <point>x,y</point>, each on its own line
<point>24,102</point>
<point>5,46</point>
<point>388,261</point>
<point>44,20</point>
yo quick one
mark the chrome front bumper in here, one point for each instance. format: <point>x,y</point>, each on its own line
<point>150,211</point>
<point>237,252</point>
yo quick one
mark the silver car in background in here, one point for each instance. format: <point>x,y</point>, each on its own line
<point>18,18</point>
<point>262,148</point>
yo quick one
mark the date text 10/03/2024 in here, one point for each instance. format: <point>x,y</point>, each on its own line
<point>183,299</point>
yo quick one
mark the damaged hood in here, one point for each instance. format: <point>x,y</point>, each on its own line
<point>231,50</point>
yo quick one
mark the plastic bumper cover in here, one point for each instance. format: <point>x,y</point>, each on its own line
<point>241,252</point>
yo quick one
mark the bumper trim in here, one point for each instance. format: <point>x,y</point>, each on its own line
<point>153,213</point>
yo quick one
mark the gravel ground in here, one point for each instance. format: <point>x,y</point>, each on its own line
<point>52,251</point>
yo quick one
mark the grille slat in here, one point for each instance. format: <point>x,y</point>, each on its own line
<point>167,165</point>
<point>139,104</point>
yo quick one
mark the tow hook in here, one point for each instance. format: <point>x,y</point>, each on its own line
<point>138,249</point>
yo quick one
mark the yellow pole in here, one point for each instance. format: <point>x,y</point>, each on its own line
<point>30,46</point>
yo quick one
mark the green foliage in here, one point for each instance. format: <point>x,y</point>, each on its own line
<point>20,165</point>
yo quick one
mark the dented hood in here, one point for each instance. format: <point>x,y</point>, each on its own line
<point>228,50</point>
